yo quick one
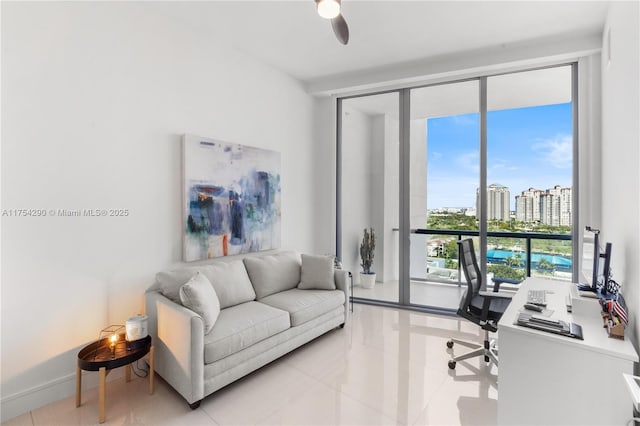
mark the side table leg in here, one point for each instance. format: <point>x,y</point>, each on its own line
<point>151,371</point>
<point>127,373</point>
<point>101,394</point>
<point>78,386</point>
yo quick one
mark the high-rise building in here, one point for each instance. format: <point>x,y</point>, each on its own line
<point>550,207</point>
<point>498,202</point>
<point>528,205</point>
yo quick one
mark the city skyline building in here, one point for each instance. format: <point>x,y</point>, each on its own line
<point>498,204</point>
<point>528,205</point>
<point>552,206</point>
<point>549,207</point>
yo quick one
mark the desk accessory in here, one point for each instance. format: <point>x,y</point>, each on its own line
<point>549,325</point>
<point>532,307</point>
<point>615,316</point>
<point>615,329</point>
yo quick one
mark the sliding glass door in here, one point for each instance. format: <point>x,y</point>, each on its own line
<point>490,158</point>
<point>445,144</point>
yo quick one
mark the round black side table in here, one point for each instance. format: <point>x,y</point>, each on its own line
<point>99,356</point>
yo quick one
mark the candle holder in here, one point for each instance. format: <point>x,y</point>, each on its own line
<point>113,336</point>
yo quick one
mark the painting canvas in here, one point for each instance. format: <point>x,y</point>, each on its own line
<point>231,198</point>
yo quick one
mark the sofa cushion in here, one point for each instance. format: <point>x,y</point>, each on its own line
<point>305,305</point>
<point>231,282</point>
<point>317,273</point>
<point>274,273</point>
<point>241,326</point>
<point>229,279</point>
<point>199,296</point>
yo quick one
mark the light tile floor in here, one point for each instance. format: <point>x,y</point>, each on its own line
<point>387,366</point>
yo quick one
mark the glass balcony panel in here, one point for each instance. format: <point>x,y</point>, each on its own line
<point>551,259</point>
<point>507,258</point>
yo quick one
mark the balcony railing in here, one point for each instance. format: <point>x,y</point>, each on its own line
<point>564,262</point>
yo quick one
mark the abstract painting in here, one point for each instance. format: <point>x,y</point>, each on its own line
<point>231,198</point>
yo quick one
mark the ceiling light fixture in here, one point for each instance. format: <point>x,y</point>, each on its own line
<point>328,9</point>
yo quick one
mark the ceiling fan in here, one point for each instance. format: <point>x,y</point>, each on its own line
<point>330,9</point>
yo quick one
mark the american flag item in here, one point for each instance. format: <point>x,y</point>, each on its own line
<point>619,309</point>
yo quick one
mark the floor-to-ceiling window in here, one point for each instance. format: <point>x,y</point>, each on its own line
<point>530,173</point>
<point>489,158</point>
<point>444,143</point>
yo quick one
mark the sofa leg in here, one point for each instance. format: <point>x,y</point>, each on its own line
<point>341,325</point>
<point>195,405</point>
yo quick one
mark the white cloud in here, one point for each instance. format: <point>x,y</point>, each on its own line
<point>557,151</point>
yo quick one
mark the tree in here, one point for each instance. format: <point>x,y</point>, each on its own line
<point>504,271</point>
<point>545,266</point>
<point>514,261</point>
<point>451,249</point>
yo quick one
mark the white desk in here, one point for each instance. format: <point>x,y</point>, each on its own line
<point>546,379</point>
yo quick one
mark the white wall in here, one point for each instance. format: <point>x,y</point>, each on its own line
<point>95,97</point>
<point>324,170</point>
<point>620,150</point>
<point>357,175</point>
<point>590,137</point>
<point>378,191</point>
<point>385,198</point>
<point>391,202</point>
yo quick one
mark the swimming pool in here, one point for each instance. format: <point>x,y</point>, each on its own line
<point>561,263</point>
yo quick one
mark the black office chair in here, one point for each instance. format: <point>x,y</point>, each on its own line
<point>484,308</point>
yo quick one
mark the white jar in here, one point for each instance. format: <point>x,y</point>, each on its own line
<point>136,327</point>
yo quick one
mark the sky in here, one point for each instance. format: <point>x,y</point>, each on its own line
<point>526,147</point>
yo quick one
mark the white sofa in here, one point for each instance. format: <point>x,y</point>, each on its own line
<point>268,306</point>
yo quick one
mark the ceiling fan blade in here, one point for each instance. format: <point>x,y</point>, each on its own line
<point>341,29</point>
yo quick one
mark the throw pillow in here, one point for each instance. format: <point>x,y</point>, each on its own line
<point>317,273</point>
<point>171,281</point>
<point>199,296</point>
<point>274,273</point>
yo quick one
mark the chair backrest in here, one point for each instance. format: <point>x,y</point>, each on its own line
<point>467,256</point>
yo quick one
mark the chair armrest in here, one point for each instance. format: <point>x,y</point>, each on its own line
<point>497,281</point>
<point>495,295</point>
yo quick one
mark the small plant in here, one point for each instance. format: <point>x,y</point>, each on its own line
<point>367,248</point>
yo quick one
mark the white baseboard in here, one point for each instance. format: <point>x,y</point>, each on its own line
<point>46,393</point>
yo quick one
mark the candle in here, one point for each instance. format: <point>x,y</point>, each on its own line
<point>114,340</point>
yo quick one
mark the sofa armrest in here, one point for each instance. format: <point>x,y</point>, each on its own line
<point>341,278</point>
<point>178,338</point>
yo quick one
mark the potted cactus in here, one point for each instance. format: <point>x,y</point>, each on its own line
<point>367,247</point>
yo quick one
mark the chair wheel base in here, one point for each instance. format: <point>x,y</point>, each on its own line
<point>450,344</point>
<point>452,365</point>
